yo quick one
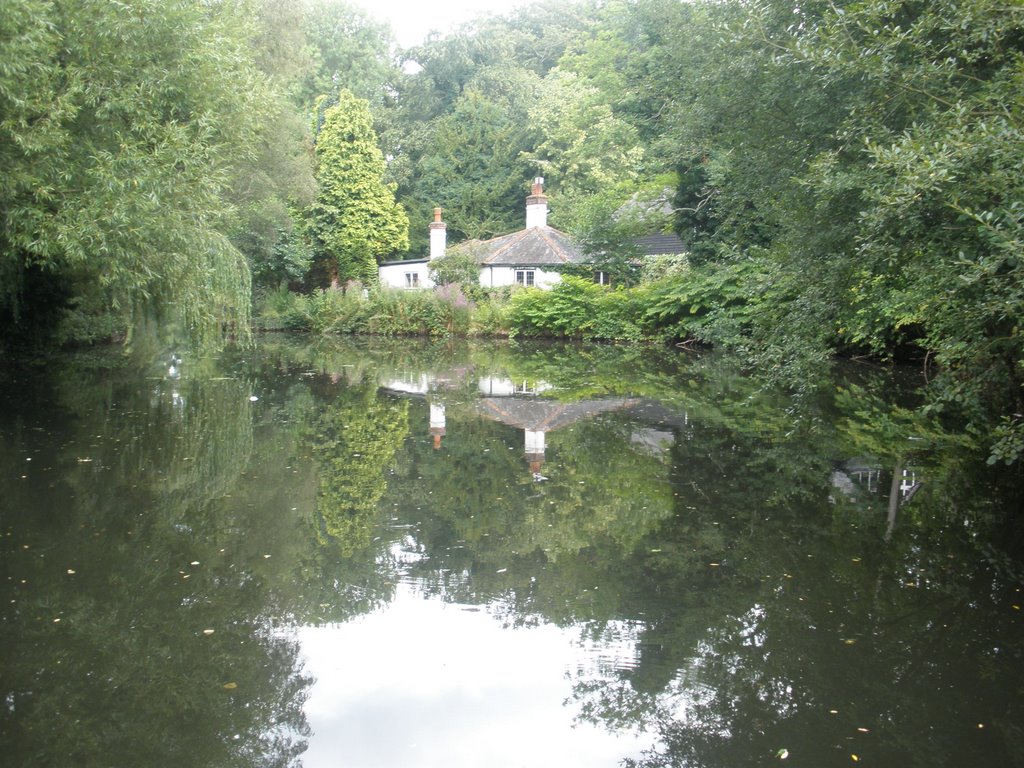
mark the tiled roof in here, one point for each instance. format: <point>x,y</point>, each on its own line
<point>652,245</point>
<point>534,247</point>
<point>404,262</point>
<point>546,415</point>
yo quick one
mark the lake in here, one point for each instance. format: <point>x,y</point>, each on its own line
<point>412,553</point>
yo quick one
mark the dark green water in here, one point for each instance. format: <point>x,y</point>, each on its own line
<point>416,555</point>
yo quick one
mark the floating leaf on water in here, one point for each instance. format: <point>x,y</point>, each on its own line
<point>208,631</point>
<point>71,571</point>
<point>782,754</point>
<point>850,641</point>
<point>266,557</point>
<point>864,730</point>
<point>194,562</point>
<point>855,758</point>
<point>502,570</point>
<point>230,686</point>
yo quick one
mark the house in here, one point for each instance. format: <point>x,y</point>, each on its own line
<point>415,273</point>
<point>528,257</point>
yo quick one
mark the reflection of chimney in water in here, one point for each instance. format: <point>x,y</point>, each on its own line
<point>534,445</point>
<point>437,423</point>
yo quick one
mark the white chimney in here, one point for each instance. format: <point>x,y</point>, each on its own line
<point>437,423</point>
<point>537,205</point>
<point>533,440</point>
<point>438,236</point>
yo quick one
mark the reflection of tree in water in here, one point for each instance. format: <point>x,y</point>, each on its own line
<point>893,672</point>
<point>135,633</point>
<point>758,607</point>
<point>796,626</point>
<point>354,441</point>
<point>547,549</point>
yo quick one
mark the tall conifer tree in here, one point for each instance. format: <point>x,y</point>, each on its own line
<point>355,218</point>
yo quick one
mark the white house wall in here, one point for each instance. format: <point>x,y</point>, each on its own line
<point>394,275</point>
<point>497,277</point>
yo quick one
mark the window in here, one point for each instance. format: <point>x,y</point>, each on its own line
<point>412,279</point>
<point>601,278</point>
<point>524,277</point>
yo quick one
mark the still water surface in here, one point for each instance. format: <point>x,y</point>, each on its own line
<point>409,554</point>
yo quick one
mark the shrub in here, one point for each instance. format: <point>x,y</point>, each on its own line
<point>578,308</point>
<point>565,310</point>
<point>442,312</point>
<point>491,316</point>
<point>456,267</point>
<point>618,315</point>
<point>279,309</point>
<point>715,302</point>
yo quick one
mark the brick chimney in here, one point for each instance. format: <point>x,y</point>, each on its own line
<point>438,236</point>
<point>537,205</point>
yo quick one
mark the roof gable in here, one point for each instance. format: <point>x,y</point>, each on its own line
<point>533,247</point>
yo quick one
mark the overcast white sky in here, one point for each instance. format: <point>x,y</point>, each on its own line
<point>412,20</point>
<point>425,684</point>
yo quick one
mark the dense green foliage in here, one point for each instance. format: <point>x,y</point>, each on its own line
<point>122,129</point>
<point>443,312</point>
<point>846,175</point>
<point>577,308</point>
<point>355,218</point>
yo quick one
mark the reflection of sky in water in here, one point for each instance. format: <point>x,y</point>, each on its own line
<point>424,683</point>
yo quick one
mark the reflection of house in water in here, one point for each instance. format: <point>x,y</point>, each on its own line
<point>437,423</point>
<point>496,386</point>
<point>537,417</point>
<point>410,384</point>
<point>866,474</point>
<point>664,425</point>
<point>515,403</point>
<point>421,385</point>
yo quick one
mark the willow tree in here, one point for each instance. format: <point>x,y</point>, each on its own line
<point>122,126</point>
<point>355,218</point>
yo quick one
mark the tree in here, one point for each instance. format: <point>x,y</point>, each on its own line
<point>939,229</point>
<point>122,128</point>
<point>456,268</point>
<point>355,218</point>
<point>347,49</point>
<point>475,166</point>
<point>276,183</point>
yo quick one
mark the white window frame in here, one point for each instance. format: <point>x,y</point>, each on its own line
<point>527,277</point>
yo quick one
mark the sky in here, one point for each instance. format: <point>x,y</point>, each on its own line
<point>427,684</point>
<point>412,20</point>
